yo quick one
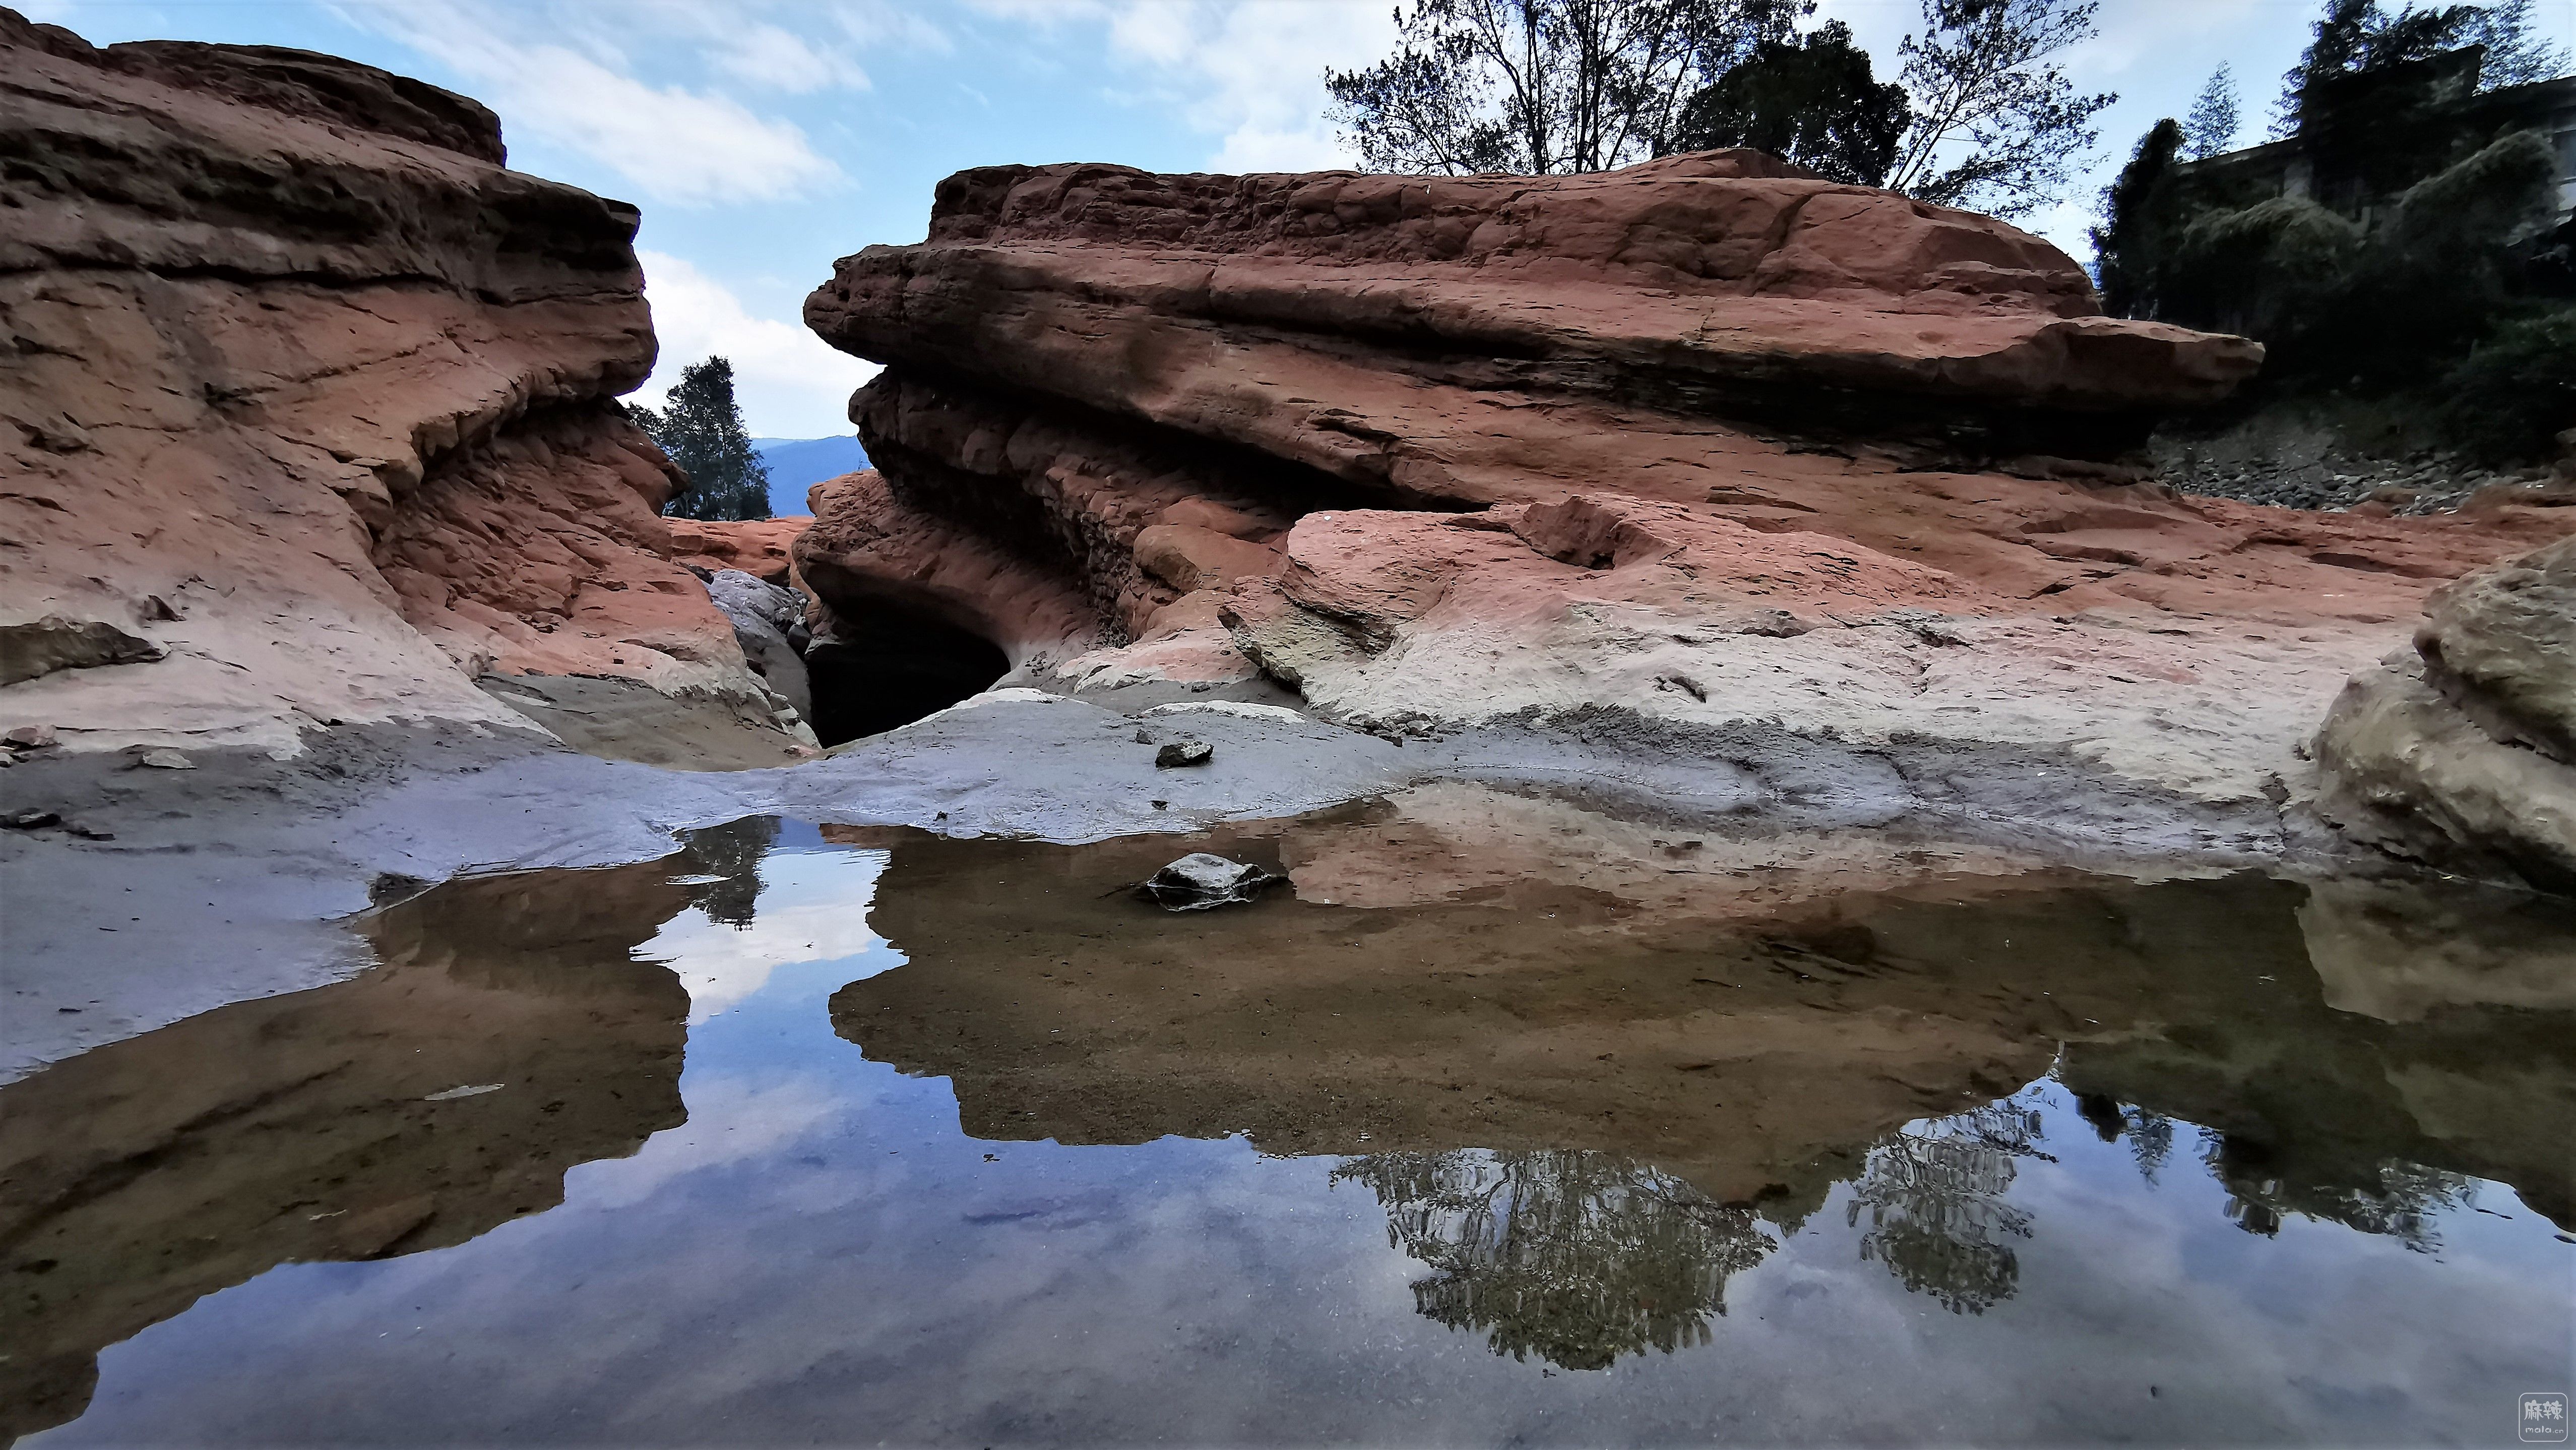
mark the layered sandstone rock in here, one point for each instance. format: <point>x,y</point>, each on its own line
<point>312,397</point>
<point>1696,461</point>
<point>2462,750</point>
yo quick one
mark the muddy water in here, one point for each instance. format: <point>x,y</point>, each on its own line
<point>1506,1123</point>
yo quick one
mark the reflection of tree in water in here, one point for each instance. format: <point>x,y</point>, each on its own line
<point>732,851</point>
<point>2399,1203</point>
<point>2150,1133</point>
<point>1935,1198</point>
<point>2390,1196</point>
<point>1576,1257</point>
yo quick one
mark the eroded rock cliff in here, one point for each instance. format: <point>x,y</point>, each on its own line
<point>1705,460</point>
<point>308,414</point>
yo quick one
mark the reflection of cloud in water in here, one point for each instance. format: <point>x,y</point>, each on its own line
<point>811,907</point>
<point>1771,1107</point>
<point>731,1120</point>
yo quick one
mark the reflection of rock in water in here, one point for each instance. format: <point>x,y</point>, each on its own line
<point>2313,1108</point>
<point>139,1176</point>
<point>2398,950</point>
<point>1758,1044</point>
<point>1575,1257</point>
<point>1938,1217</point>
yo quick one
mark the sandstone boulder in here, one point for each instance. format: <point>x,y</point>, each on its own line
<point>2462,751</point>
<point>312,403</point>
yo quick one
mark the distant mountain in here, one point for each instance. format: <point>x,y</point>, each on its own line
<point>796,464</point>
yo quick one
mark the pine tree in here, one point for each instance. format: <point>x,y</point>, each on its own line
<point>2211,126</point>
<point>2515,56</point>
<point>701,427</point>
<point>2357,37</point>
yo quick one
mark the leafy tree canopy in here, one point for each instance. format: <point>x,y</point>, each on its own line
<point>2358,37</point>
<point>701,427</point>
<point>1810,98</point>
<point>1542,87</point>
<point>1984,116</point>
<point>2124,244</point>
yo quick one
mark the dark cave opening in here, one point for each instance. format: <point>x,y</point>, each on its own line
<point>888,664</point>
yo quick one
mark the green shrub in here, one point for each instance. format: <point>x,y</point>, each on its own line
<point>2512,395</point>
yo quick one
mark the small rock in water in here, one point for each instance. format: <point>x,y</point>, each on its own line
<point>1199,881</point>
<point>29,737</point>
<point>1183,752</point>
<point>88,830</point>
<point>168,760</point>
<point>29,820</point>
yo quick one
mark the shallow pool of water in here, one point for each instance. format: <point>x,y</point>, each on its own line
<point>1493,1128</point>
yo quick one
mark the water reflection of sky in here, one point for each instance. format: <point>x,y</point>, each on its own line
<point>819,1254</point>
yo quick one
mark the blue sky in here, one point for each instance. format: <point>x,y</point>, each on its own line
<point>765,138</point>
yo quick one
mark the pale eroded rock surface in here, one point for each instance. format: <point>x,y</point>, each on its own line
<point>2458,752</point>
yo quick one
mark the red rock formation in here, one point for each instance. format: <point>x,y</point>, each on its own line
<point>758,547</point>
<point>313,395</point>
<point>868,544</point>
<point>1706,445</point>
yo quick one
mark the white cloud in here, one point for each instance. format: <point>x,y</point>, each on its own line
<point>884,23</point>
<point>668,143</point>
<point>765,55</point>
<point>790,383</point>
<point>1250,73</point>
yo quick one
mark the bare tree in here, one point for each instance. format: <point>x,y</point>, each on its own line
<point>1997,125</point>
<point>1541,87</point>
